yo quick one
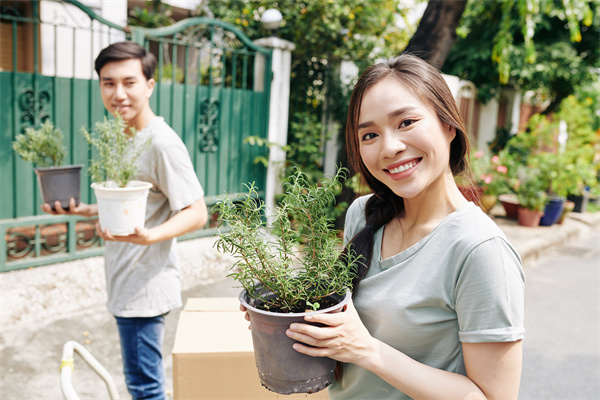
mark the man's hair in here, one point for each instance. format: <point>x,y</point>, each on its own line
<point>121,51</point>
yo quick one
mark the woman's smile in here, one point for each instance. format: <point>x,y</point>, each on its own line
<point>403,170</point>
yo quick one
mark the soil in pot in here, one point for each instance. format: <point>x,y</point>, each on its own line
<point>282,369</point>
<point>59,184</point>
<point>120,210</point>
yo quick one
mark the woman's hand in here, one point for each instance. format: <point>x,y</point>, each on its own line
<point>246,315</point>
<point>345,338</point>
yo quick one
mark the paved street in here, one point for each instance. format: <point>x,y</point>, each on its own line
<point>561,347</point>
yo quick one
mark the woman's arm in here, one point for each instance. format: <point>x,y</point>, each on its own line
<point>493,369</point>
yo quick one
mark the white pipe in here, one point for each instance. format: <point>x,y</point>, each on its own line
<point>66,370</point>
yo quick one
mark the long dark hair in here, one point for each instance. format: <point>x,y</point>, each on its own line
<point>429,85</point>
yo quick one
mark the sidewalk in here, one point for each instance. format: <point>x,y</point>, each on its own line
<point>532,242</point>
<point>42,308</point>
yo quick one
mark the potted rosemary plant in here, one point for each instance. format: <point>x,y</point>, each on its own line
<point>121,199</point>
<point>44,148</point>
<point>292,267</point>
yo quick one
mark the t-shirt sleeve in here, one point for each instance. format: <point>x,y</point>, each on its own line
<point>177,178</point>
<point>355,218</point>
<point>489,294</point>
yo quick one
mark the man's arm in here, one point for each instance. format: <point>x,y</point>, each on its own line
<point>187,220</point>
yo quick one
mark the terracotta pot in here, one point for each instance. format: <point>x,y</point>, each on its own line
<point>282,369</point>
<point>510,204</point>
<point>471,193</point>
<point>528,217</point>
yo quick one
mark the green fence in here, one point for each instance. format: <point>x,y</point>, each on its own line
<point>210,89</point>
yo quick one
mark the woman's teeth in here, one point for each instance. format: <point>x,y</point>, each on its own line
<point>403,167</point>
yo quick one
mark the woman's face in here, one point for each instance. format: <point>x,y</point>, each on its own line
<point>402,142</point>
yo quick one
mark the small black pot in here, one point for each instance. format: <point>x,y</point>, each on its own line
<point>282,369</point>
<point>59,183</point>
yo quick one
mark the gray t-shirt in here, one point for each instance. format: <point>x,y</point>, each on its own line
<point>463,282</point>
<point>144,281</point>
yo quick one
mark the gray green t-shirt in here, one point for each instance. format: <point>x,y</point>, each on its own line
<point>144,281</point>
<point>463,282</point>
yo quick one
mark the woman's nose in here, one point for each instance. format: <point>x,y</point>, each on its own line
<point>393,144</point>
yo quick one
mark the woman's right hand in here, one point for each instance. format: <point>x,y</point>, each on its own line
<point>246,316</point>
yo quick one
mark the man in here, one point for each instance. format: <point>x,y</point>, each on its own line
<point>142,278</point>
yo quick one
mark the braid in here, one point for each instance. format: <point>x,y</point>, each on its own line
<point>378,212</point>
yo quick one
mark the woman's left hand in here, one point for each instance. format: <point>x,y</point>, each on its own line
<point>345,338</point>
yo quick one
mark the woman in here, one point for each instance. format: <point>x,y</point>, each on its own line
<point>438,309</point>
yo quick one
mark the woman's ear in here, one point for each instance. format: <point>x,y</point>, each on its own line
<point>451,131</point>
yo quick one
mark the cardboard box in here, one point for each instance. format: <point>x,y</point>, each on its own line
<point>213,357</point>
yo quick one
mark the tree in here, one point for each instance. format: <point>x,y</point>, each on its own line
<point>436,33</point>
<point>548,47</point>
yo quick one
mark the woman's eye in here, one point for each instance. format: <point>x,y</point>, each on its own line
<point>368,136</point>
<point>406,123</point>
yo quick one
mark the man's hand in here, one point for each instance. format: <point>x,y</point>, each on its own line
<point>85,210</point>
<point>142,236</point>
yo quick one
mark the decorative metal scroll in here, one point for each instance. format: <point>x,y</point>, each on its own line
<point>31,106</point>
<point>21,241</point>
<point>208,125</point>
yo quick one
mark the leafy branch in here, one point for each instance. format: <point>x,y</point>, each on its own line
<point>268,259</point>
<point>42,147</point>
<point>117,150</point>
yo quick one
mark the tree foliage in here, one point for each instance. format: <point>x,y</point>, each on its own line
<point>549,47</point>
<point>347,29</point>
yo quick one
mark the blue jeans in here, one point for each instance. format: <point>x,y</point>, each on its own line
<point>141,348</point>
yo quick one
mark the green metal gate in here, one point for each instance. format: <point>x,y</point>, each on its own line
<point>210,88</point>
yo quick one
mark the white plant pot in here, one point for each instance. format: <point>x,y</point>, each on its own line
<point>121,209</point>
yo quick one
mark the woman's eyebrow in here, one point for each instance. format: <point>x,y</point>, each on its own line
<point>392,114</point>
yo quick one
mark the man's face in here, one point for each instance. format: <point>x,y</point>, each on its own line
<point>125,90</point>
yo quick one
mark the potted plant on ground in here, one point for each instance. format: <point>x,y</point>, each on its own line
<point>44,148</point>
<point>532,197</point>
<point>291,268</point>
<point>121,199</point>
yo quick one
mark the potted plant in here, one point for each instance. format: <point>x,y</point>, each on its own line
<point>532,197</point>
<point>288,269</point>
<point>44,148</point>
<point>121,199</point>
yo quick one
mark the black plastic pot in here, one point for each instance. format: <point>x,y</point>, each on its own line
<point>282,369</point>
<point>59,184</point>
<point>581,201</point>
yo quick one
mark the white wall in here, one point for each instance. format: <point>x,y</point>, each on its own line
<point>488,122</point>
<point>68,49</point>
